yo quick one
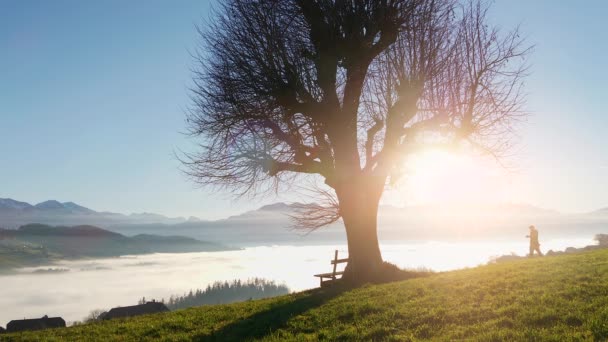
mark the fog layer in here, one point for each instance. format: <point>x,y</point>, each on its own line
<point>71,289</point>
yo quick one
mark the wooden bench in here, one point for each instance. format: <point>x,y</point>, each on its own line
<point>329,278</point>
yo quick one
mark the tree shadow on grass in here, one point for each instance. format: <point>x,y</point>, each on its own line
<point>265,322</point>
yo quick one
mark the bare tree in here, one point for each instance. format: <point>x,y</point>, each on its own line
<point>94,315</point>
<point>344,91</point>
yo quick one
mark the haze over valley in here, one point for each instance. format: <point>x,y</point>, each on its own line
<point>272,224</point>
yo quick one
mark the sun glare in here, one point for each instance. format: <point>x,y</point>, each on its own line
<point>440,177</point>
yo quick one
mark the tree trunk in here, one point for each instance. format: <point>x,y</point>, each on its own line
<point>359,210</point>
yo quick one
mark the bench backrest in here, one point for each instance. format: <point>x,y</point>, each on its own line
<point>337,261</point>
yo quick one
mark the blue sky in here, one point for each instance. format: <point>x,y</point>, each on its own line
<point>93,94</point>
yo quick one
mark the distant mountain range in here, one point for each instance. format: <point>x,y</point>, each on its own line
<point>271,224</point>
<point>16,213</point>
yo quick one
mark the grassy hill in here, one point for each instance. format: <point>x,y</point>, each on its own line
<point>560,298</point>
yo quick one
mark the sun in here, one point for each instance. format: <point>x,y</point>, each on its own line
<point>441,177</point>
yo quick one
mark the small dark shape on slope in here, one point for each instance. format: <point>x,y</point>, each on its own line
<point>134,310</point>
<point>602,239</point>
<point>35,324</point>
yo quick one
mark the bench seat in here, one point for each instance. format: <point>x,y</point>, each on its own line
<point>329,275</point>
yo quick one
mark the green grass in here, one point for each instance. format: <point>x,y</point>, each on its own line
<point>561,298</point>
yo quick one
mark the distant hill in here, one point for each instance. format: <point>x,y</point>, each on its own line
<point>34,243</point>
<point>16,213</point>
<point>8,204</point>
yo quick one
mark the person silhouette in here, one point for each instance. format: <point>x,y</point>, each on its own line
<point>534,244</point>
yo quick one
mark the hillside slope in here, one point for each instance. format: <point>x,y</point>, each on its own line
<point>37,244</point>
<point>559,298</point>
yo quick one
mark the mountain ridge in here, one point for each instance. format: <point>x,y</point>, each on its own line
<point>276,207</point>
<point>272,224</point>
<point>15,213</point>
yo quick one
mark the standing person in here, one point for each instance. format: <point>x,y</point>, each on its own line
<point>534,244</point>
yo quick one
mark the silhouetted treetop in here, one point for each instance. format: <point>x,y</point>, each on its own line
<point>290,85</point>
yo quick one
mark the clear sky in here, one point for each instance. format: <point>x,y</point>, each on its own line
<point>93,94</point>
